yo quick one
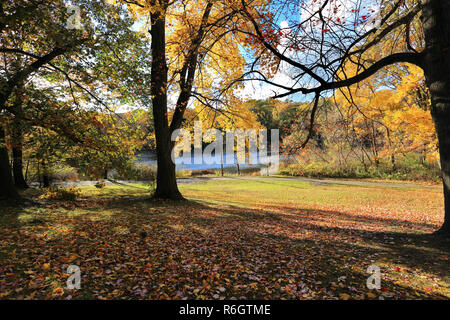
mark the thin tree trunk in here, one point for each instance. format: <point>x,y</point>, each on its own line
<point>374,145</point>
<point>388,132</point>
<point>26,170</point>
<point>7,188</point>
<point>45,177</point>
<point>39,174</point>
<point>436,65</point>
<point>221,161</point>
<point>166,182</point>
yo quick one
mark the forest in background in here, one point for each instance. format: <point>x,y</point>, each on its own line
<point>371,80</point>
<point>385,132</point>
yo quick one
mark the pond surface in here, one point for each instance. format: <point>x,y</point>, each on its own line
<point>205,162</point>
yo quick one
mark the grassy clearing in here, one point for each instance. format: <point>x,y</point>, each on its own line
<point>231,239</point>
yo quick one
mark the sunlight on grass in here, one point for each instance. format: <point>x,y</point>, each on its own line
<point>279,232</point>
<point>423,205</point>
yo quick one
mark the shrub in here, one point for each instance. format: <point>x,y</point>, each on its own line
<point>63,173</point>
<point>100,184</point>
<point>60,172</point>
<point>139,172</point>
<point>58,193</point>
<point>408,167</point>
<point>183,173</point>
<point>145,172</point>
<point>201,172</point>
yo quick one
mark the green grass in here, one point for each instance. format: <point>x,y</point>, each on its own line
<point>231,239</point>
<point>299,193</point>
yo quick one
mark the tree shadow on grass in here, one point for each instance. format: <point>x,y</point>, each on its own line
<point>264,246</point>
<point>407,245</point>
<point>248,237</point>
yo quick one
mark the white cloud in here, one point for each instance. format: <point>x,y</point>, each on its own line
<point>284,24</point>
<point>261,90</point>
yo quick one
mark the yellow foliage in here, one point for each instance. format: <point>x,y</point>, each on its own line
<point>400,107</point>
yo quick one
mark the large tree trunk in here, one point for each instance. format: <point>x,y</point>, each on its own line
<point>17,144</point>
<point>166,182</point>
<point>19,179</point>
<point>7,188</point>
<point>436,65</point>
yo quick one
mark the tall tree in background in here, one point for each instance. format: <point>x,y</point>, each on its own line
<point>330,35</point>
<point>78,58</point>
<point>17,129</point>
<point>20,15</point>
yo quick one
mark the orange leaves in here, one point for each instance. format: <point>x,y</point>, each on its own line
<point>396,102</point>
<point>243,239</point>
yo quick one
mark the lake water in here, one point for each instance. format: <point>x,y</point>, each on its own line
<point>205,162</point>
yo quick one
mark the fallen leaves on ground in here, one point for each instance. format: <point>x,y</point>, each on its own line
<point>221,246</point>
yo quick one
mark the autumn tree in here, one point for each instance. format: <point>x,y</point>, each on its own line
<point>195,54</point>
<point>395,103</point>
<point>78,58</point>
<point>332,34</point>
<point>14,74</point>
